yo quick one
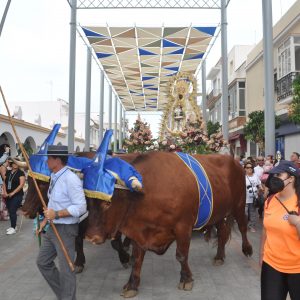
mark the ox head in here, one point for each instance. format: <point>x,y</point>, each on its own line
<point>96,231</point>
<point>98,187</point>
<point>41,172</point>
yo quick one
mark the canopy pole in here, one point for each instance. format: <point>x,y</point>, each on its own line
<point>120,128</point>
<point>115,124</point>
<point>203,69</point>
<point>72,72</point>
<point>101,111</point>
<point>88,98</point>
<point>224,70</point>
<point>110,112</point>
<point>268,78</point>
<point>124,124</point>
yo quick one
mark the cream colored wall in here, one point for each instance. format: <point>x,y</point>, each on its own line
<point>254,88</point>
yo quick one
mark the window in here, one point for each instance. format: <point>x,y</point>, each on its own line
<point>284,58</point>
<point>289,56</point>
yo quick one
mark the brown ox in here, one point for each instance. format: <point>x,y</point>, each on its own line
<point>167,209</point>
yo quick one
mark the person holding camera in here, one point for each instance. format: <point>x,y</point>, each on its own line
<point>280,244</point>
<point>253,188</point>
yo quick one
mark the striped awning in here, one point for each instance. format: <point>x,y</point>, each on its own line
<point>140,60</point>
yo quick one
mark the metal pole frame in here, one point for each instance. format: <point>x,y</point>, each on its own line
<point>224,70</point>
<point>203,69</point>
<point>116,124</point>
<point>163,4</point>
<point>268,77</point>
<point>88,99</point>
<point>158,4</point>
<point>101,111</point>
<point>72,72</point>
<point>120,127</point>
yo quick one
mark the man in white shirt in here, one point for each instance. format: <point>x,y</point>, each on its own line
<point>66,204</point>
<point>259,170</point>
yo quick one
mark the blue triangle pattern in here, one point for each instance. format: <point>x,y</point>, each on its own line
<point>145,52</point>
<point>179,51</point>
<point>147,78</point>
<point>167,44</point>
<point>172,69</point>
<point>197,56</point>
<point>103,55</point>
<point>148,85</point>
<point>207,30</point>
<point>90,33</point>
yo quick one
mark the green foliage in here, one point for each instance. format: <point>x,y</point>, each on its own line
<point>212,127</point>
<point>27,148</point>
<point>294,107</point>
<point>254,129</point>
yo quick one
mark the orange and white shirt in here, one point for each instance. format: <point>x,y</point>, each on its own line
<point>282,245</point>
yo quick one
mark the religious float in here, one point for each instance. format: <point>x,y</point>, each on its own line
<point>182,127</point>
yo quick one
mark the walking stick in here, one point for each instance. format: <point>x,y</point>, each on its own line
<point>36,185</point>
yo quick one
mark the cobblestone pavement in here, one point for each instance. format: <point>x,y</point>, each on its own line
<point>104,277</point>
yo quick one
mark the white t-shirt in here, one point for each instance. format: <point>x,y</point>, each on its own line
<point>259,171</point>
<point>252,183</point>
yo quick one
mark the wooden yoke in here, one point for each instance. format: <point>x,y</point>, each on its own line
<point>70,263</point>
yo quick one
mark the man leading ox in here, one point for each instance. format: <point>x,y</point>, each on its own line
<point>66,204</point>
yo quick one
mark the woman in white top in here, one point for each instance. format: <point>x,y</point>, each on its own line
<point>253,188</point>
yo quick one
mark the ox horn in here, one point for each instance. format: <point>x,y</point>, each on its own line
<point>21,164</point>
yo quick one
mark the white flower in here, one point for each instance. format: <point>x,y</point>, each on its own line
<point>151,147</point>
<point>172,146</point>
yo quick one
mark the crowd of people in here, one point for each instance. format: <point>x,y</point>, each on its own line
<point>273,188</point>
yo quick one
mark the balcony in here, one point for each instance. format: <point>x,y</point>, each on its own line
<point>236,122</point>
<point>212,97</point>
<point>284,86</point>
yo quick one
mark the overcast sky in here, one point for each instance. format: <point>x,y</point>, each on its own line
<point>34,45</point>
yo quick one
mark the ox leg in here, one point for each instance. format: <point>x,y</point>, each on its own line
<point>223,233</point>
<point>126,243</point>
<point>80,258</point>
<point>116,243</point>
<point>242,221</point>
<point>183,241</point>
<point>130,289</point>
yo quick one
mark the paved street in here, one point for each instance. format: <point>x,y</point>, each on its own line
<point>104,276</point>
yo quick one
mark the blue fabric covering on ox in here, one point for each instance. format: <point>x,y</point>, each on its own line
<point>100,174</point>
<point>38,162</point>
<point>204,188</point>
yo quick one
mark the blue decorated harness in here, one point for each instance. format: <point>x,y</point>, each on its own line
<point>205,207</point>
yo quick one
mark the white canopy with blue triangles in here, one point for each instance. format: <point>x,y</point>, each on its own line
<point>140,60</point>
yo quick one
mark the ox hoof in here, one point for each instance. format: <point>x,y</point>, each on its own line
<point>185,286</point>
<point>247,250</point>
<point>218,262</point>
<point>129,293</point>
<point>78,269</point>
<point>125,265</point>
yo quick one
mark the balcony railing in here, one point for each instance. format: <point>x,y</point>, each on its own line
<point>212,97</point>
<point>284,86</point>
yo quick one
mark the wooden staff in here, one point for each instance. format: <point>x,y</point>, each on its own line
<point>71,265</point>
